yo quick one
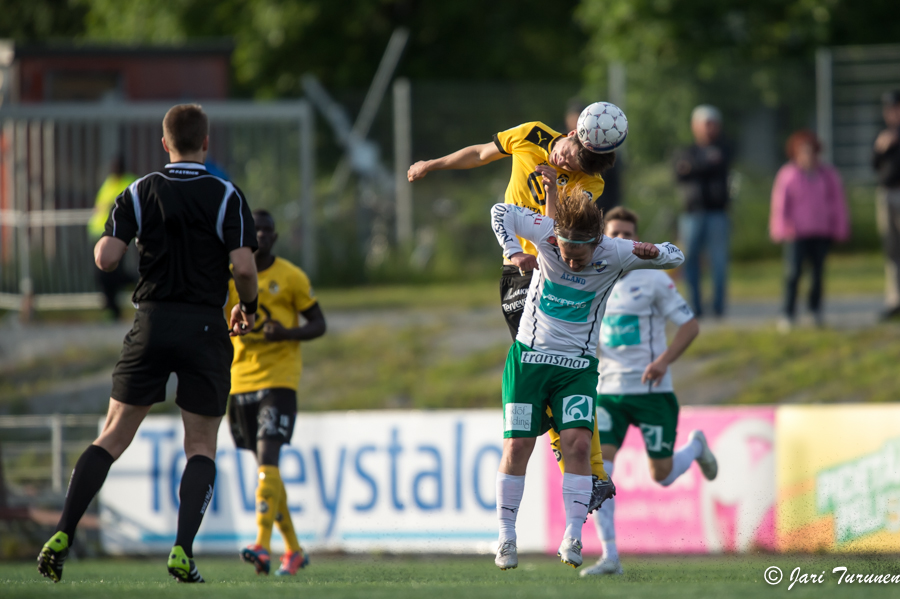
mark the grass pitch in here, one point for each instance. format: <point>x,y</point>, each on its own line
<point>470,577</point>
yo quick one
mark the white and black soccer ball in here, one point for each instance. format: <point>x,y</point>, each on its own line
<point>602,127</point>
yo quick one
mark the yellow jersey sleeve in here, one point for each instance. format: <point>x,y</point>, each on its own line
<point>304,297</point>
<point>525,136</point>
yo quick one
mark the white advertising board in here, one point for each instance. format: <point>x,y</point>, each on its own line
<point>356,481</point>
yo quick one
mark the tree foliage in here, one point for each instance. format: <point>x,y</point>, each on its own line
<point>342,42</point>
<point>711,34</point>
<point>746,53</point>
<point>41,20</point>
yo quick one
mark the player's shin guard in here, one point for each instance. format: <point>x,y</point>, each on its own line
<point>576,490</point>
<point>268,495</point>
<point>604,522</point>
<point>509,496</point>
<point>87,478</point>
<point>284,522</point>
<point>196,491</point>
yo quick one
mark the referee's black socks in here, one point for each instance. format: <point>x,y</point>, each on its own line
<point>87,478</point>
<point>196,492</point>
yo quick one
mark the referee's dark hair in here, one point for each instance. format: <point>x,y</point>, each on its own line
<point>185,127</point>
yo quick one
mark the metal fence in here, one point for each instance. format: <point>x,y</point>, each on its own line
<point>38,452</point>
<point>850,81</point>
<point>54,157</point>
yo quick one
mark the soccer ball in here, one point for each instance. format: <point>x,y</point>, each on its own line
<point>602,127</point>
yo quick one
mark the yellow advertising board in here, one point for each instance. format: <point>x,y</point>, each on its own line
<point>838,478</point>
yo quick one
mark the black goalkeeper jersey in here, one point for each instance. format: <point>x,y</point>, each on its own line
<point>185,222</point>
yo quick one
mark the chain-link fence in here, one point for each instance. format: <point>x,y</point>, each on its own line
<point>54,158</point>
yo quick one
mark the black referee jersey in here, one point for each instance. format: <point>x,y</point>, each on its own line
<point>185,222</point>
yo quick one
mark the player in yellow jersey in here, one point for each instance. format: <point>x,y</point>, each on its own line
<point>538,153</point>
<point>265,375</point>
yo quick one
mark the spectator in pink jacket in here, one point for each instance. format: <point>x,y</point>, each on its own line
<point>809,212</point>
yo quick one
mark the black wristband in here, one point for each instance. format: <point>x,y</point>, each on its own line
<point>250,307</point>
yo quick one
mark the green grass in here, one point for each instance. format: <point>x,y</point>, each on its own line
<point>26,379</point>
<point>449,576</point>
<point>806,366</point>
<point>383,367</point>
<point>845,274</point>
<point>465,294</point>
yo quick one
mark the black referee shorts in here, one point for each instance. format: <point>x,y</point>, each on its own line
<point>266,414</point>
<point>513,292</point>
<point>191,341</point>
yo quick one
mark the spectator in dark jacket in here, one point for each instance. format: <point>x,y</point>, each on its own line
<point>886,162</point>
<point>702,172</point>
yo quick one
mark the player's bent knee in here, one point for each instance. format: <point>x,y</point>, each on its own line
<point>660,470</point>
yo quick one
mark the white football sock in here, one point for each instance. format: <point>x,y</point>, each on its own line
<point>682,460</point>
<point>604,521</point>
<point>509,496</point>
<point>576,490</point>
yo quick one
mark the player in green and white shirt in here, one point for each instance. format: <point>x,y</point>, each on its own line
<point>635,386</point>
<point>553,363</point>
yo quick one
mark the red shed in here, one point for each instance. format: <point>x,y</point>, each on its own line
<point>74,72</point>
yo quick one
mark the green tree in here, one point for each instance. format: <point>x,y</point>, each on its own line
<point>41,20</point>
<point>276,41</point>
<point>679,52</point>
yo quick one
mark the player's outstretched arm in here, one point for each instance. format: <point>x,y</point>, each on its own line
<point>648,255</point>
<point>466,158</point>
<point>683,338</point>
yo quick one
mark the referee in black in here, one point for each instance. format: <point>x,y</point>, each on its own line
<point>188,225</point>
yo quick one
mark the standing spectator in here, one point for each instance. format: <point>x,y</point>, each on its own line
<point>702,171</point>
<point>808,212</point>
<point>115,183</point>
<point>886,162</point>
<point>612,191</point>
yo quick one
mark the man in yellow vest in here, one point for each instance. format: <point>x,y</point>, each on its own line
<point>115,183</point>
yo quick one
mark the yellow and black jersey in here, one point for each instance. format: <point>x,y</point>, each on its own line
<point>284,292</point>
<point>529,145</point>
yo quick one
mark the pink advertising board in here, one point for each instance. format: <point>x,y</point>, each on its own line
<point>733,513</point>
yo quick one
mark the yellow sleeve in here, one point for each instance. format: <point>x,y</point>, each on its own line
<point>304,296</point>
<point>594,186</point>
<point>525,136</point>
<point>233,298</point>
